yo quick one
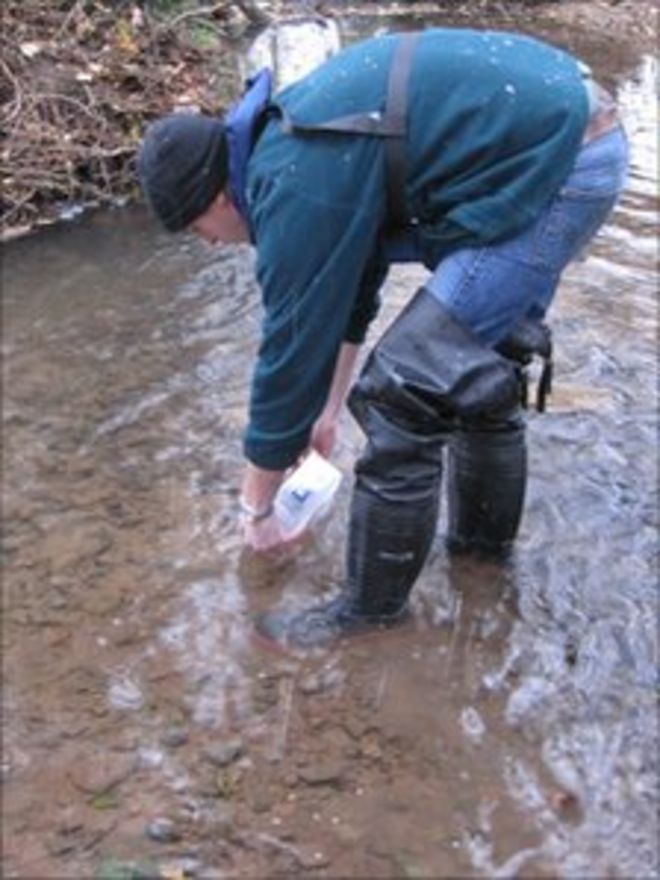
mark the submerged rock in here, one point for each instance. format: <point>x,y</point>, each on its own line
<point>325,773</point>
<point>99,773</point>
<point>309,857</point>
<point>260,798</point>
<point>163,830</point>
<point>118,870</point>
<point>224,754</point>
<point>174,737</point>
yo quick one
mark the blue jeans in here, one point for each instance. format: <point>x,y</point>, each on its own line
<point>491,288</point>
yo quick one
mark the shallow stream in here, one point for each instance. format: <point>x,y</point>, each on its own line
<point>509,729</point>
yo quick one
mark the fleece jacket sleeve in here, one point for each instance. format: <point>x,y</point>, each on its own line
<point>312,259</point>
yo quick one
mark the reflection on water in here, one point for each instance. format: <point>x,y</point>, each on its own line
<point>209,626</point>
<point>508,729</point>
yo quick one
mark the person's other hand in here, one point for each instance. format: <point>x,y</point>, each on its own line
<point>324,436</point>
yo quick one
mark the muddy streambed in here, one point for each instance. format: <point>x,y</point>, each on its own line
<point>509,729</point>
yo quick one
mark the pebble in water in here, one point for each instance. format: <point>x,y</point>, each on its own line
<point>224,754</point>
<point>472,723</point>
<point>174,737</point>
<point>162,830</point>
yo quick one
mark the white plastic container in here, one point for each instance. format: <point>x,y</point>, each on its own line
<point>307,493</point>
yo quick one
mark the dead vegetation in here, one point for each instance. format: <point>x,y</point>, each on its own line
<point>79,80</point>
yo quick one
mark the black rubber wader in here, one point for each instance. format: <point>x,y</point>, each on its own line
<point>426,377</point>
<point>486,481</point>
<point>487,458</point>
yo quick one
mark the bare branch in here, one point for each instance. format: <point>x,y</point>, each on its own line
<point>201,12</point>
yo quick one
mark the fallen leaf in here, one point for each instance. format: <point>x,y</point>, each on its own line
<point>30,49</point>
<point>124,38</point>
<point>168,872</point>
<point>137,18</point>
<point>106,800</point>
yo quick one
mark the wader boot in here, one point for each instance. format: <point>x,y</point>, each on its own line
<point>487,458</point>
<point>426,374</point>
<point>486,477</point>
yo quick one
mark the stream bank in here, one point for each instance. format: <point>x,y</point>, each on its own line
<point>80,81</point>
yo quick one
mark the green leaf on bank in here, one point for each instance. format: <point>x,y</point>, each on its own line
<point>105,800</point>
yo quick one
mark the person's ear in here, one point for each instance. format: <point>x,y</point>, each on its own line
<point>223,199</point>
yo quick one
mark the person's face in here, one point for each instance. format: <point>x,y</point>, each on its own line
<point>221,223</point>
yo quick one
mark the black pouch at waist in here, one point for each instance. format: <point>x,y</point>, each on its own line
<point>531,339</point>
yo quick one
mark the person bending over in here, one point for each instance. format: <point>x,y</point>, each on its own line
<point>489,157</point>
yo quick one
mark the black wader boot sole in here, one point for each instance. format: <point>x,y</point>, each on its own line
<point>319,627</point>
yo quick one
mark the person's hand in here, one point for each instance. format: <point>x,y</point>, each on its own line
<point>324,435</point>
<point>267,537</point>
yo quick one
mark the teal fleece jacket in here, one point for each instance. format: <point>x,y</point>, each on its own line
<point>495,121</point>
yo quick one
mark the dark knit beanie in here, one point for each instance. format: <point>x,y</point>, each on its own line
<point>182,166</point>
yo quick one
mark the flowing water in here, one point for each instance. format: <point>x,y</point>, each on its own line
<point>509,729</point>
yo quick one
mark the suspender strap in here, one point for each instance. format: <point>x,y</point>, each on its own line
<point>395,148</point>
<point>391,125</point>
<point>357,123</point>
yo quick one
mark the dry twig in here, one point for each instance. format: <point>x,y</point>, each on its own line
<point>78,83</point>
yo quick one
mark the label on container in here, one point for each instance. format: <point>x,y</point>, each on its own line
<point>307,492</point>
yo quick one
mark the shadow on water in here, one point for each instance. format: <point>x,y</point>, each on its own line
<point>508,729</point>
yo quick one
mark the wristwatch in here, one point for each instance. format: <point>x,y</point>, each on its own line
<point>253,514</point>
